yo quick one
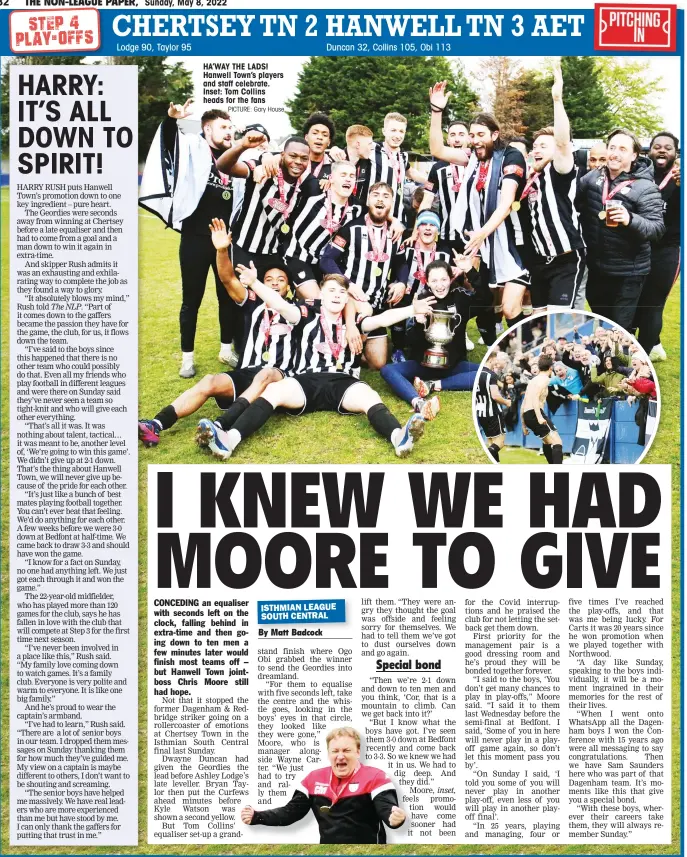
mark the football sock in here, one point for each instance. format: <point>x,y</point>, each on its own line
<point>166,417</point>
<point>252,418</point>
<point>382,420</point>
<point>228,418</point>
<point>494,452</point>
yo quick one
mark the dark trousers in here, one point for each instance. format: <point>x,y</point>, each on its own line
<point>399,376</point>
<point>614,297</point>
<point>665,267</point>
<point>197,255</point>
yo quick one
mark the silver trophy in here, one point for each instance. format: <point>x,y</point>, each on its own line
<point>439,330</point>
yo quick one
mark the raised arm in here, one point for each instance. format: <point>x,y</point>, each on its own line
<point>229,162</point>
<point>272,299</point>
<point>225,268</point>
<point>438,99</point>
<point>563,160</point>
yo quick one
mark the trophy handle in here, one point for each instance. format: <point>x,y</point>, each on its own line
<point>454,323</point>
<point>426,320</point>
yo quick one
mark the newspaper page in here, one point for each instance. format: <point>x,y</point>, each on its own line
<point>342,421</point>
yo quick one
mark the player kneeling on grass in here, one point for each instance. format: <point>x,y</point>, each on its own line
<point>534,420</point>
<point>414,382</point>
<point>265,357</point>
<point>325,373</point>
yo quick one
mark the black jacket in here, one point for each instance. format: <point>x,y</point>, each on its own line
<point>625,250</point>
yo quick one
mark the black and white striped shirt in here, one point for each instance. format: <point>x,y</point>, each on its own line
<point>441,251</point>
<point>309,236</point>
<point>390,167</point>
<point>444,179</point>
<point>347,254</point>
<point>256,227</point>
<point>485,406</point>
<point>314,351</point>
<point>555,223</point>
<point>266,335</point>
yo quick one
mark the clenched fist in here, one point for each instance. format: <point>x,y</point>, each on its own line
<point>397,817</point>
<point>247,814</point>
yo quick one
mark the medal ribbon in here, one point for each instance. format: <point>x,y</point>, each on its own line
<point>395,159</point>
<point>266,326</point>
<point>328,222</point>
<point>456,178</point>
<point>280,204</point>
<point>420,272</point>
<point>531,180</point>
<point>668,176</point>
<point>334,348</point>
<point>377,254</point>
<point>605,195</point>
<point>482,174</point>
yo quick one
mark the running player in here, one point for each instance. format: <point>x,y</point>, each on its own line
<point>325,372</point>
<point>532,417</point>
<point>487,400</point>
<point>265,358</point>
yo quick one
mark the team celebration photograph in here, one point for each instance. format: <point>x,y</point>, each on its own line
<point>360,253</point>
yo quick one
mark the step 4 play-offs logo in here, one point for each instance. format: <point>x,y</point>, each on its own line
<point>68,30</point>
<point>640,27</point>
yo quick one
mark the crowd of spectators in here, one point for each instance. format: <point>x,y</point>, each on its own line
<point>606,363</point>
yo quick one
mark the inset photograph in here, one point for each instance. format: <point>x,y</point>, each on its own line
<point>566,388</point>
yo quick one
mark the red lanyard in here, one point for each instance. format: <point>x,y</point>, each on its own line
<point>329,223</point>
<point>377,253</point>
<point>224,178</point>
<point>482,175</point>
<point>334,348</point>
<point>457,179</point>
<point>280,204</point>
<point>337,795</point>
<point>420,272</point>
<point>605,195</point>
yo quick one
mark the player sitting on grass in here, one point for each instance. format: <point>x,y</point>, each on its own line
<point>265,357</point>
<point>411,380</point>
<point>325,371</point>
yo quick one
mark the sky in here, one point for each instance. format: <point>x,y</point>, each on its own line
<point>664,70</point>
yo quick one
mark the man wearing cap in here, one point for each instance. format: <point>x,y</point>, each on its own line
<point>351,802</point>
<point>183,185</point>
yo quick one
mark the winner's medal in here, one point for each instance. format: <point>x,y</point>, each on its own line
<point>265,356</point>
<point>285,228</point>
<point>377,253</point>
<point>377,271</point>
<point>226,194</point>
<point>515,205</point>
<point>602,214</point>
<point>325,810</point>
